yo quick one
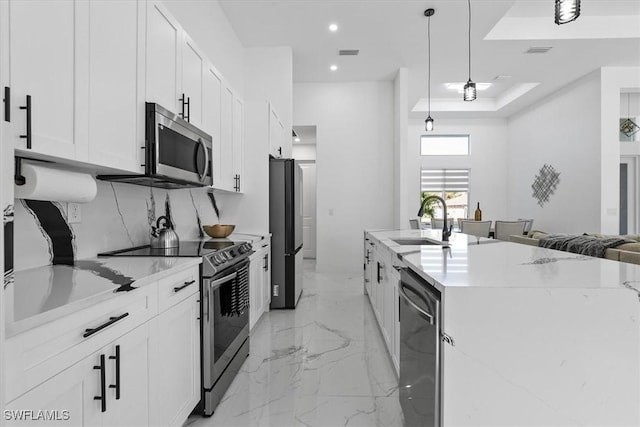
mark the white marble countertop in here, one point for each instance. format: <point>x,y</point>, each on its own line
<point>40,295</point>
<point>478,262</point>
<point>540,337</point>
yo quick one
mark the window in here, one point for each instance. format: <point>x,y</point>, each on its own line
<point>444,145</point>
<point>450,184</point>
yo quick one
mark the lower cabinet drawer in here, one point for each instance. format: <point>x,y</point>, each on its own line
<point>40,353</point>
<point>178,287</point>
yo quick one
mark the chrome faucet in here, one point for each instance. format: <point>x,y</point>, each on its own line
<point>446,231</point>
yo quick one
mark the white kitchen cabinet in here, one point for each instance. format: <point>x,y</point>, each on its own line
<point>174,365</point>
<point>45,78</point>
<point>259,281</point>
<point>108,388</point>
<point>226,140</point>
<point>238,144</point>
<point>175,66</point>
<point>163,62</point>
<point>212,117</point>
<point>116,64</point>
<point>68,396</point>
<point>382,288</point>
<point>276,133</point>
<point>367,266</point>
<point>193,68</point>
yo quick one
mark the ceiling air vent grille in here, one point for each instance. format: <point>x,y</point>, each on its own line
<point>538,49</point>
<point>349,52</point>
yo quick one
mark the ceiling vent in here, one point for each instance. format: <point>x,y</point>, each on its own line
<point>538,49</point>
<point>349,52</point>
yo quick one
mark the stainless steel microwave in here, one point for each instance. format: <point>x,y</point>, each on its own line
<point>177,154</point>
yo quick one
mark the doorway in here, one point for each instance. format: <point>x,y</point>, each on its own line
<point>628,199</point>
<point>304,151</point>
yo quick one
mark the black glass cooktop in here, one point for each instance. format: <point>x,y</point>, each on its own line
<point>185,249</point>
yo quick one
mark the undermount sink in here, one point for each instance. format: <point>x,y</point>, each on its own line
<point>415,241</point>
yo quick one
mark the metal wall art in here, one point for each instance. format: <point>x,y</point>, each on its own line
<point>545,183</point>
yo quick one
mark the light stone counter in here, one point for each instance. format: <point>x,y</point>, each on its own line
<point>40,295</point>
<point>541,337</point>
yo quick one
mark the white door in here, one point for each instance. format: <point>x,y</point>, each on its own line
<point>192,81</point>
<point>114,64</point>
<point>628,199</point>
<point>42,61</point>
<point>164,40</point>
<point>309,209</point>
<point>174,363</point>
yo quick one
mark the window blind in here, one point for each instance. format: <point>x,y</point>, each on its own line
<point>437,180</point>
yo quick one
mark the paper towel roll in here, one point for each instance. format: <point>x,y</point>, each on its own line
<point>45,183</point>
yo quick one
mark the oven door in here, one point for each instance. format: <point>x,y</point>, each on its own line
<point>225,321</point>
<point>177,149</point>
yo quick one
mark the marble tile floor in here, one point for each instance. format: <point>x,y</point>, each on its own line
<point>323,364</point>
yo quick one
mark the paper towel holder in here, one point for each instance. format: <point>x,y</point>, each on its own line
<point>18,179</point>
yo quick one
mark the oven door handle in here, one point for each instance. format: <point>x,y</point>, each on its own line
<point>216,283</point>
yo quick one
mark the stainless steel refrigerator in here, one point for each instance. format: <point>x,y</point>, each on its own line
<point>285,224</point>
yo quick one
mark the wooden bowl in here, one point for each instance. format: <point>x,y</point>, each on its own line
<point>218,230</point>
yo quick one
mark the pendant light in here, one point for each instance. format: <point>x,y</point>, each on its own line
<point>428,124</point>
<point>567,11</point>
<point>470,87</point>
<point>628,126</point>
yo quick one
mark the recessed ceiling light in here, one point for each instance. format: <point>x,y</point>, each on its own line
<point>333,28</point>
<point>333,67</point>
<point>459,87</point>
<point>296,139</point>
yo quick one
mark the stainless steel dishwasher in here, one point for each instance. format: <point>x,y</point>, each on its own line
<point>419,351</point>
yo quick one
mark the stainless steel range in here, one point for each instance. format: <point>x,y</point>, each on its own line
<point>224,309</point>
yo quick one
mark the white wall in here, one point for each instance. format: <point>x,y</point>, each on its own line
<point>354,164</point>
<point>563,131</point>
<point>487,160</point>
<point>269,78</point>
<point>305,152</point>
<point>401,147</point>
<point>210,28</point>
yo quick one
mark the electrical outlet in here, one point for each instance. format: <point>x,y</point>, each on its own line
<point>74,215</point>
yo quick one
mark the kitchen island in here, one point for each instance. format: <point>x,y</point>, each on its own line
<point>533,336</point>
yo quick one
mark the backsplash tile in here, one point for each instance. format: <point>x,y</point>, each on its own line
<point>119,217</point>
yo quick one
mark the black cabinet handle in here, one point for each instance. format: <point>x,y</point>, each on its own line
<point>379,267</point>
<point>103,390</point>
<point>117,384</point>
<point>7,104</point>
<point>238,183</point>
<point>179,288</point>
<point>28,108</point>
<point>181,114</point>
<point>111,321</point>
<point>188,103</point>
<point>265,266</point>
<point>280,151</point>
<point>236,187</point>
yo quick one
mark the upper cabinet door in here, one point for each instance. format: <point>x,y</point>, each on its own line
<point>164,40</point>
<point>42,66</point>
<point>238,144</point>
<point>192,82</point>
<point>116,36</point>
<point>211,117</point>
<point>226,165</point>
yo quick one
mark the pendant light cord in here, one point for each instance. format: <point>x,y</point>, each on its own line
<point>628,105</point>
<point>429,64</point>
<point>469,3</point>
